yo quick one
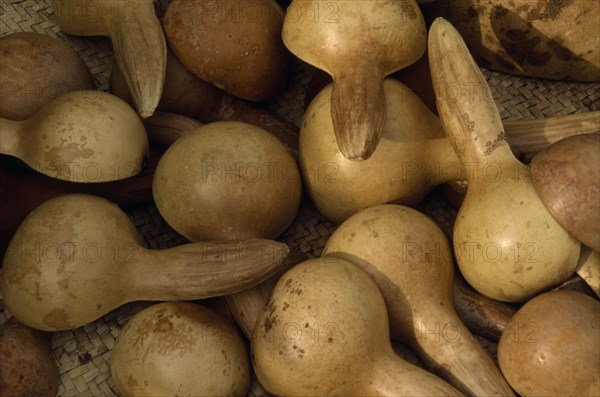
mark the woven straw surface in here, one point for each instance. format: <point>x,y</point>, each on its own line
<point>83,354</point>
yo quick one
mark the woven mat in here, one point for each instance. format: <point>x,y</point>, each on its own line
<point>83,354</point>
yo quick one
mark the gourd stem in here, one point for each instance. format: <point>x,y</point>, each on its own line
<point>9,137</point>
<point>358,110</point>
<point>141,53</point>
<point>465,103</point>
<point>202,270</point>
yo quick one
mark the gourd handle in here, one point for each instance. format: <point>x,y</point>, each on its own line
<point>141,53</point>
<point>203,269</point>
<point>9,137</point>
<point>465,103</point>
<point>358,110</point>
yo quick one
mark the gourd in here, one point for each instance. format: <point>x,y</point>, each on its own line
<point>35,69</point>
<point>566,175</point>
<point>414,154</point>
<point>233,45</point>
<point>410,260</point>
<point>226,180</point>
<point>547,39</point>
<point>551,346</point>
<point>77,257</point>
<point>508,246</point>
<point>180,348</point>
<point>28,368</point>
<point>137,38</point>
<point>81,136</point>
<point>325,332</point>
<point>358,43</point>
<point>188,95</point>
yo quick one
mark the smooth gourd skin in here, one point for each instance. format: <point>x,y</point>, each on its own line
<point>551,346</point>
<point>180,349</point>
<point>410,259</point>
<point>227,180</point>
<point>35,69</point>
<point>412,157</point>
<point>325,332</point>
<point>80,241</point>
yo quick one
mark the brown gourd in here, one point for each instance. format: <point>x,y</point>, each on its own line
<point>77,257</point>
<point>546,39</point>
<point>35,69</point>
<point>551,346</point>
<point>233,45</point>
<point>137,38</point>
<point>27,365</point>
<point>508,246</point>
<point>186,94</point>
<point>180,349</point>
<point>410,260</point>
<point>325,332</point>
<point>566,175</point>
<point>413,157</point>
<point>225,180</point>
<point>81,136</point>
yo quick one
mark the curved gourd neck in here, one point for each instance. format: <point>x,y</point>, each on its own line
<point>10,141</point>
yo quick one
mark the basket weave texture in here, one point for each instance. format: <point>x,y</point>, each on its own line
<point>83,354</point>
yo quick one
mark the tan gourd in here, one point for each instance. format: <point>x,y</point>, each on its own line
<point>551,346</point>
<point>566,175</point>
<point>81,136</point>
<point>358,43</point>
<point>77,257</point>
<point>508,246</point>
<point>413,156</point>
<point>137,38</point>
<point>180,349</point>
<point>227,180</point>
<point>35,69</point>
<point>546,38</point>
<point>588,268</point>
<point>325,332</point>
<point>27,365</point>
<point>410,259</point>
<point>234,45</point>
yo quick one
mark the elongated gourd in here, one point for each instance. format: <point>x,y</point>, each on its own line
<point>410,259</point>
<point>325,332</point>
<point>137,38</point>
<point>508,246</point>
<point>551,346</point>
<point>81,136</point>
<point>76,257</point>
<point>180,349</point>
<point>413,157</point>
<point>358,43</point>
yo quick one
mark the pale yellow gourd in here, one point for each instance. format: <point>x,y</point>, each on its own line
<point>180,349</point>
<point>410,259</point>
<point>137,38</point>
<point>325,332</point>
<point>358,43</point>
<point>508,246</point>
<point>77,257</point>
<point>81,136</point>
<point>413,156</point>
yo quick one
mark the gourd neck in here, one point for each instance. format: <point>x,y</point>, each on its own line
<point>358,109</point>
<point>202,270</point>
<point>10,140</point>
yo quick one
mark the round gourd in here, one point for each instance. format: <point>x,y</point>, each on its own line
<point>227,180</point>
<point>180,349</point>
<point>551,346</point>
